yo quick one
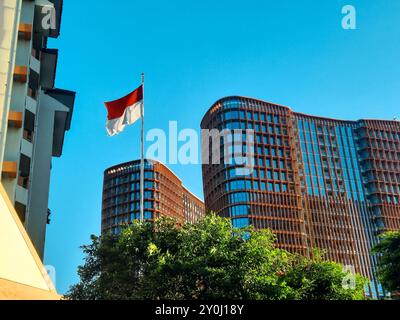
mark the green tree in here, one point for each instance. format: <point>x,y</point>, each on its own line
<point>213,262</point>
<point>118,266</point>
<point>318,279</point>
<point>388,251</point>
<point>206,260</point>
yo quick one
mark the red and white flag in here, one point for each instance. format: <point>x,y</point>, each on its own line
<point>124,111</point>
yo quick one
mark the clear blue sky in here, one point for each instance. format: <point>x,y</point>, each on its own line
<point>292,52</point>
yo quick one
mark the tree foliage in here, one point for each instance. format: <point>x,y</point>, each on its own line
<point>388,251</point>
<point>317,279</point>
<point>206,260</point>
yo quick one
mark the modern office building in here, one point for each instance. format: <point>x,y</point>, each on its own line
<point>164,196</point>
<point>34,115</point>
<point>317,182</point>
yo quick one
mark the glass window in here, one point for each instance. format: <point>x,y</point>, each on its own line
<point>263,186</point>
<point>256,186</point>
<point>240,223</point>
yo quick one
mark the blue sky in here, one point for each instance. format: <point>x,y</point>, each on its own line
<point>291,52</point>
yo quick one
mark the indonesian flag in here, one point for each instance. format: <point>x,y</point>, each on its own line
<point>124,111</point>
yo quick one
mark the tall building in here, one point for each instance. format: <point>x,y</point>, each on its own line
<point>34,114</point>
<point>164,196</point>
<point>317,182</point>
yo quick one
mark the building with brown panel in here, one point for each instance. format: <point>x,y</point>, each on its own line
<point>317,182</point>
<point>164,196</point>
<point>34,114</point>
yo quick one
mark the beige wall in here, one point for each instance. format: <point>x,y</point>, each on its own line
<point>15,291</point>
<point>22,275</point>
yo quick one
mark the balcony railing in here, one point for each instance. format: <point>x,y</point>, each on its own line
<point>21,74</point>
<point>25,31</point>
<point>15,119</point>
<point>9,169</point>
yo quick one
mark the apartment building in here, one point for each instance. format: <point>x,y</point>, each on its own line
<point>34,114</point>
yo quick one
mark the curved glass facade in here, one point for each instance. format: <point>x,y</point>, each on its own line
<point>164,195</point>
<point>317,182</point>
<point>267,196</point>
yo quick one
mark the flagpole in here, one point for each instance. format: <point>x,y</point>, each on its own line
<point>141,217</point>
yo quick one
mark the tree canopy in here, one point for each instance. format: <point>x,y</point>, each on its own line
<point>388,251</point>
<point>205,260</point>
